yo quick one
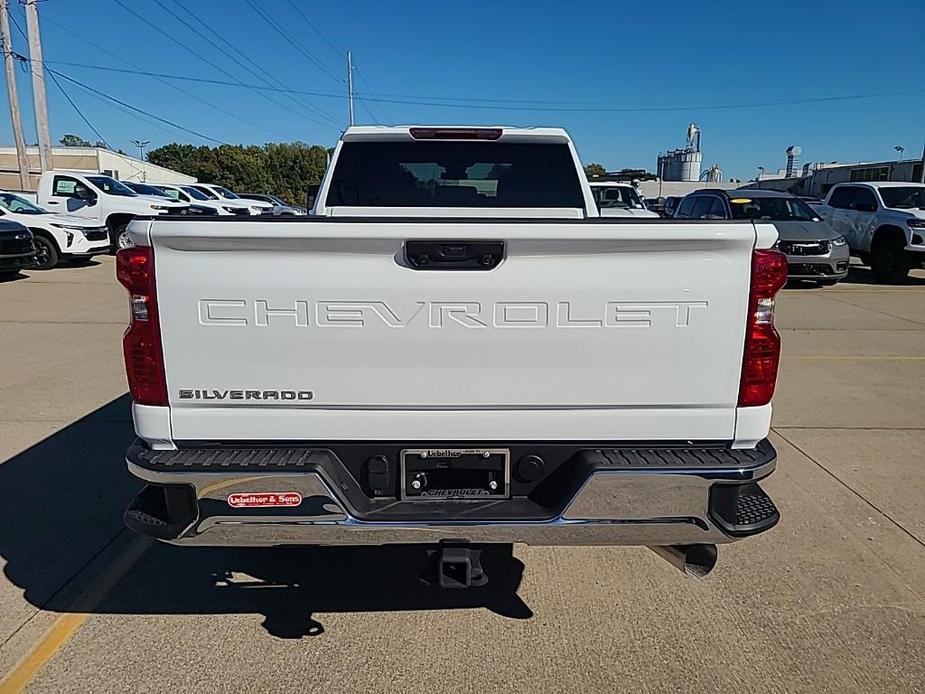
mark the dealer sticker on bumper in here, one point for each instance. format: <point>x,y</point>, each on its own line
<point>264,499</point>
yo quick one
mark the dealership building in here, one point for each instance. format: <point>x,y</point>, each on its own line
<point>91,160</point>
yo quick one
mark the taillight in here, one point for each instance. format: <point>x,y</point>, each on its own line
<point>141,344</point>
<point>456,133</point>
<point>762,343</point>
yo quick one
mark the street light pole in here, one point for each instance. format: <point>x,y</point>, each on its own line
<point>901,150</point>
<point>141,144</point>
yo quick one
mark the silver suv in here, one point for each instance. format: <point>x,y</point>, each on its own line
<point>815,252</point>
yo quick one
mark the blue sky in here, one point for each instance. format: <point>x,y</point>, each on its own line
<point>593,55</point>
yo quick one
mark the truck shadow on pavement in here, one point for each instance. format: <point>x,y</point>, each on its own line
<point>859,274</point>
<point>62,507</point>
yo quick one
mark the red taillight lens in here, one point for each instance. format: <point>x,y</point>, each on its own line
<point>762,343</point>
<point>144,359</point>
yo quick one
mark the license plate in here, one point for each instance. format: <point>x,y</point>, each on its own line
<point>455,473</point>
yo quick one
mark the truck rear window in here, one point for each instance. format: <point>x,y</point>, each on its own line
<point>455,174</point>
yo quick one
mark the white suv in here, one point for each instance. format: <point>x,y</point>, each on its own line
<point>57,237</point>
<point>883,222</point>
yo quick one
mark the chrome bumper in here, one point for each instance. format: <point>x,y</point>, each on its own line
<point>625,506</point>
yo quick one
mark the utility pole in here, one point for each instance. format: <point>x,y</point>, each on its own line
<point>21,156</point>
<point>350,86</point>
<point>38,84</point>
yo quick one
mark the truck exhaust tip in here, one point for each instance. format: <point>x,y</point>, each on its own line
<point>692,560</point>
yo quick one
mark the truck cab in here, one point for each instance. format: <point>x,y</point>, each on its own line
<point>616,199</point>
<point>98,199</point>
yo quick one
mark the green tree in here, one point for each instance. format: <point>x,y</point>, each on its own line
<point>70,140</point>
<point>285,169</point>
<point>594,170</point>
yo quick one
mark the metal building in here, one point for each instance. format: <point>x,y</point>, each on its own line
<point>682,164</point>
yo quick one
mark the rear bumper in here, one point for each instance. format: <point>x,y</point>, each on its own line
<point>670,495</point>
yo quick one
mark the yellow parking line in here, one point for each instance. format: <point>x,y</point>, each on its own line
<point>67,624</point>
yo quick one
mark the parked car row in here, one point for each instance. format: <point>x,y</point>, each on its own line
<point>75,216</point>
<point>882,223</point>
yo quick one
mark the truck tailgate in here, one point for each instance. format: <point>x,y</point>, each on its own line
<point>319,330</point>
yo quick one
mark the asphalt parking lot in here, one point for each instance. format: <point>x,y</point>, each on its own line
<point>833,599</point>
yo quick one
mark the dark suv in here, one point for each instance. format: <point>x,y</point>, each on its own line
<point>814,250</point>
<point>17,252</point>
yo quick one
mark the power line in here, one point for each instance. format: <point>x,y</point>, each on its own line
<point>298,101</point>
<point>191,95</point>
<point>113,99</point>
<point>220,69</point>
<point>324,38</point>
<point>295,44</point>
<point>370,92</point>
<point>80,113</point>
<point>419,100</point>
<point>341,56</point>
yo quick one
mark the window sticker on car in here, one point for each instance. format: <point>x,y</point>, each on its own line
<point>740,201</point>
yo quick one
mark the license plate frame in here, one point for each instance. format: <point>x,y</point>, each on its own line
<point>444,463</point>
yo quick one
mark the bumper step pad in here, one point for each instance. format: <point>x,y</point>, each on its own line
<point>743,510</point>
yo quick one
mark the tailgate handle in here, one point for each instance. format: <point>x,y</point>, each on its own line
<point>453,255</point>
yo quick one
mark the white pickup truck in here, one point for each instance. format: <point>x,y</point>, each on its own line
<point>456,347</point>
<point>883,223</point>
<point>616,199</point>
<point>100,199</point>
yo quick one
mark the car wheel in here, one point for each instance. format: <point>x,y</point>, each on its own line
<point>46,253</point>
<point>115,234</point>
<point>889,261</point>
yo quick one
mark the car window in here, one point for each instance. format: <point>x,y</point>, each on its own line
<point>200,193</point>
<point>777,209</point>
<point>171,193</point>
<point>14,203</point>
<point>717,209</point>
<point>842,197</point>
<point>109,185</point>
<point>686,205</point>
<point>863,199</point>
<point>65,186</point>
<point>702,206</point>
<point>225,193</point>
<point>616,197</point>
<point>443,173</point>
<point>904,197</point>
<point>145,189</point>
